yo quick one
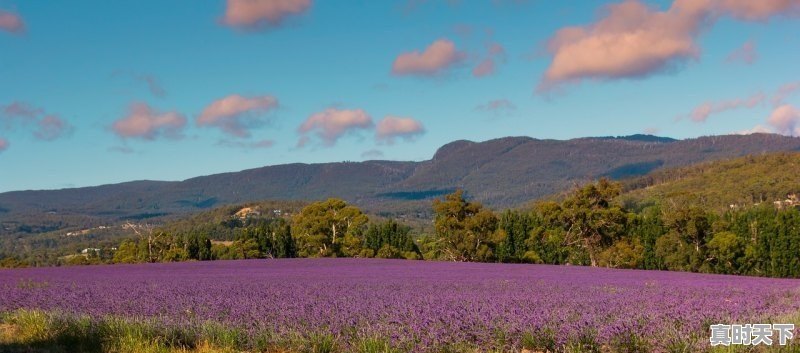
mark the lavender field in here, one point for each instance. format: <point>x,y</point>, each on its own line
<point>421,306</point>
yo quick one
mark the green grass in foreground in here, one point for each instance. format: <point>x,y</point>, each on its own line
<point>32,331</point>
<point>35,331</point>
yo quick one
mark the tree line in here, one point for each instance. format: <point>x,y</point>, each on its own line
<point>588,226</point>
<point>330,228</point>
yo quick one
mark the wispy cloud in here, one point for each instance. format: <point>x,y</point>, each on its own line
<point>11,22</point>
<point>746,54</point>
<point>45,126</point>
<point>785,91</point>
<point>151,82</point>
<point>3,144</point>
<point>254,14</point>
<point>434,60</point>
<point>19,110</point>
<point>51,127</point>
<point>331,124</point>
<point>496,53</point>
<point>393,127</point>
<point>144,122</point>
<point>236,115</point>
<point>153,85</point>
<point>497,106</point>
<point>702,112</point>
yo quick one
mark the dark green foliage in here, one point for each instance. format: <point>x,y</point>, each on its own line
<point>467,228</point>
<point>198,246</point>
<point>768,240</point>
<point>515,228</point>
<point>273,239</point>
<point>329,228</point>
<point>590,219</point>
<point>647,226</point>
<point>590,227</point>
<point>389,233</point>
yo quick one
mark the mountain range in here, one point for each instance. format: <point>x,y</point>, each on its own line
<point>502,172</point>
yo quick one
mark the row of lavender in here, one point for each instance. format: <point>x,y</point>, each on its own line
<point>420,304</point>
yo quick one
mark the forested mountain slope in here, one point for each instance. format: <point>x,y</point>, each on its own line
<point>500,173</point>
<point>721,185</point>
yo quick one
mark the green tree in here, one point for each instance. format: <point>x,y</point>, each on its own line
<point>514,228</point>
<point>724,251</point>
<point>431,247</point>
<point>674,252</point>
<point>647,227</point>
<point>205,254</point>
<point>466,228</point>
<point>321,227</point>
<point>388,252</point>
<point>283,245</point>
<point>622,254</point>
<point>693,225</point>
<point>127,253</point>
<point>590,218</point>
<point>246,249</point>
<point>174,253</point>
<point>198,246</point>
<point>390,233</point>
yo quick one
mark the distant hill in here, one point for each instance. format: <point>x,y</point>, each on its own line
<point>720,185</point>
<point>514,170</point>
<point>501,172</point>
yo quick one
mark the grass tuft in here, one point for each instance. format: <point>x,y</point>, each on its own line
<point>375,345</point>
<point>33,331</point>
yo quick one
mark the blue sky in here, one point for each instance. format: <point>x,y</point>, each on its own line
<point>369,80</point>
